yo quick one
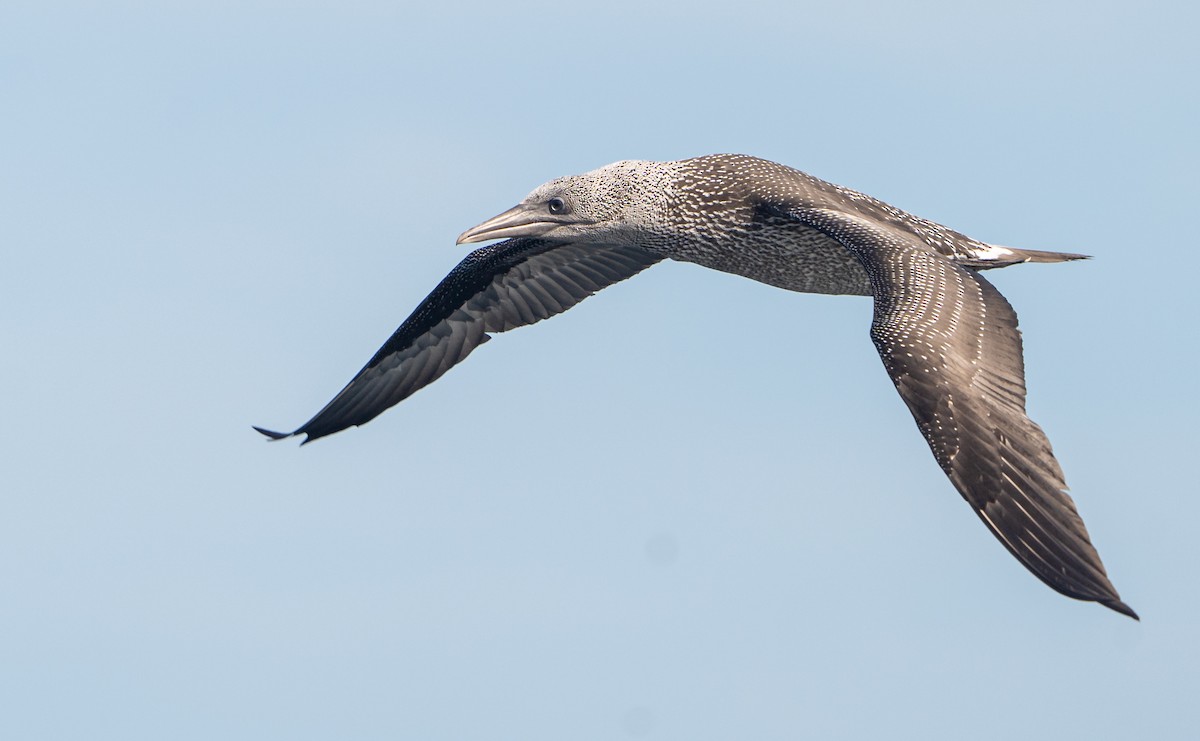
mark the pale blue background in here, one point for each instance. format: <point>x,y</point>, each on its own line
<point>692,508</point>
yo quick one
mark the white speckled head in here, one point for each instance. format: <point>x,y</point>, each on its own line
<point>615,204</point>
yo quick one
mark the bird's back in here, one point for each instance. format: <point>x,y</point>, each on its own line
<point>722,215</point>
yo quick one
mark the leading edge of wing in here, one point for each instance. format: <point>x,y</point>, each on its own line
<point>495,288</point>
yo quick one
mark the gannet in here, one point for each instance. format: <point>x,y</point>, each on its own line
<point>946,336</point>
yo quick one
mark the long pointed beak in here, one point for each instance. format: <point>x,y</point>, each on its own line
<point>518,221</point>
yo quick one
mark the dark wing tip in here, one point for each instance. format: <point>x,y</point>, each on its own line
<point>1121,607</point>
<point>273,434</point>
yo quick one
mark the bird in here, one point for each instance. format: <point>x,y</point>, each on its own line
<point>947,338</point>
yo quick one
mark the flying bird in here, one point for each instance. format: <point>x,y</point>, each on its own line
<point>946,336</point>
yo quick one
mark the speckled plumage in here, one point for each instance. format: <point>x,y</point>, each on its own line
<point>946,336</point>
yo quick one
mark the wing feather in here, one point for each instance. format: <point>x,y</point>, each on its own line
<point>950,343</point>
<point>499,287</point>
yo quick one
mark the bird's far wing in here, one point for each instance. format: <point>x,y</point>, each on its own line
<point>950,343</point>
<point>494,289</point>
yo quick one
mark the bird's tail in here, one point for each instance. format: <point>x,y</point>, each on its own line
<point>995,256</point>
<point>1043,256</point>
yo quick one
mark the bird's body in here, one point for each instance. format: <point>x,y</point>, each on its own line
<point>948,339</point>
<point>722,229</point>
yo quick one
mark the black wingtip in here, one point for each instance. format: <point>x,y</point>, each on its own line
<point>1121,607</point>
<point>273,434</point>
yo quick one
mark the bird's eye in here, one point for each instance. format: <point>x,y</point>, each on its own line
<point>557,206</point>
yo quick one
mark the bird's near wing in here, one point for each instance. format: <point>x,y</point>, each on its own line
<point>950,342</point>
<point>494,289</point>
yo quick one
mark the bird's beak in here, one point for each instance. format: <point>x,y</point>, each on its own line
<point>519,221</point>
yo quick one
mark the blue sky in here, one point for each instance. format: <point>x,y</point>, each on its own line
<point>691,508</point>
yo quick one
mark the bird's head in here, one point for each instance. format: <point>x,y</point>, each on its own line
<point>613,204</point>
